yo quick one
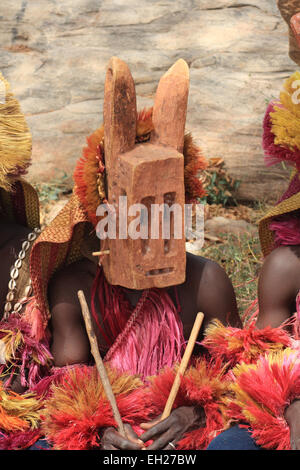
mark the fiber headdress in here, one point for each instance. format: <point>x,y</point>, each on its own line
<point>18,200</point>
<point>281,143</point>
<point>63,241</point>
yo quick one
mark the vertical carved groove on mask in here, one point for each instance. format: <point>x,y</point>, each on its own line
<point>146,219</point>
<point>169,200</point>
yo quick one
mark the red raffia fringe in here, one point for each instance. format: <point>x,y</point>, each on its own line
<point>142,340</point>
<point>262,391</point>
<point>78,408</point>
<point>203,385</point>
<point>235,345</point>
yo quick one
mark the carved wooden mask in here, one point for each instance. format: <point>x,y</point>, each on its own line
<point>146,173</point>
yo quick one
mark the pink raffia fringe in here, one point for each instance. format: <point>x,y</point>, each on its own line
<point>146,339</point>
<point>286,230</point>
<point>286,227</point>
<point>34,318</point>
<point>19,440</point>
<point>24,355</point>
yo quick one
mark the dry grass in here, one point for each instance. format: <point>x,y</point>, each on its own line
<point>241,259</point>
<point>241,255</point>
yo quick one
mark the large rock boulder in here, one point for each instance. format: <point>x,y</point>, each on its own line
<point>55,53</point>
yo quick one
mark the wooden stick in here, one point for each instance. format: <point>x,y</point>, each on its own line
<point>99,363</point>
<point>183,365</point>
<point>100,253</point>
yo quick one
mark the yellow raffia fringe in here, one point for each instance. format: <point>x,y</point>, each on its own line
<point>18,412</point>
<point>15,137</point>
<point>12,340</point>
<point>286,119</point>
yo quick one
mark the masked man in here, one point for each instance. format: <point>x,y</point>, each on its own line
<point>145,292</point>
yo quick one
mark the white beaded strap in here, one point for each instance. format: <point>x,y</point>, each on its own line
<point>9,308</point>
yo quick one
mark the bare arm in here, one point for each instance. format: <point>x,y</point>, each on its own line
<point>216,297</point>
<point>70,343</point>
<point>278,285</point>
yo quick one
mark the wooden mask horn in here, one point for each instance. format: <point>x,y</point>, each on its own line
<point>149,178</point>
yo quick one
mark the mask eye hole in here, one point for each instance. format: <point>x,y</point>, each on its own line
<point>168,220</point>
<point>146,218</point>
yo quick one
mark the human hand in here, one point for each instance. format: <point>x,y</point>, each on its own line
<point>292,416</point>
<point>168,432</point>
<point>113,440</point>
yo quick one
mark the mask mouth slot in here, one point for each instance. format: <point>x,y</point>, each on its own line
<point>156,272</point>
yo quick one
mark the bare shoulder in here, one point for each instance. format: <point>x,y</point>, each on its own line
<point>282,264</point>
<point>65,284</point>
<point>205,270</point>
<point>214,290</point>
<point>278,286</point>
<point>284,258</point>
<point>70,344</point>
<point>280,274</point>
<point>74,273</point>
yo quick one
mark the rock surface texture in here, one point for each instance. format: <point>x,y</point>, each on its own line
<point>55,54</point>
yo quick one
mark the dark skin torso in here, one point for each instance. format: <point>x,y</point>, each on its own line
<point>278,286</point>
<point>207,289</point>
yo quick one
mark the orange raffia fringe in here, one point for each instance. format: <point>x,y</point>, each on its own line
<point>205,386</point>
<point>246,344</point>
<point>89,173</point>
<point>261,393</point>
<point>194,163</point>
<point>18,412</point>
<point>78,407</point>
